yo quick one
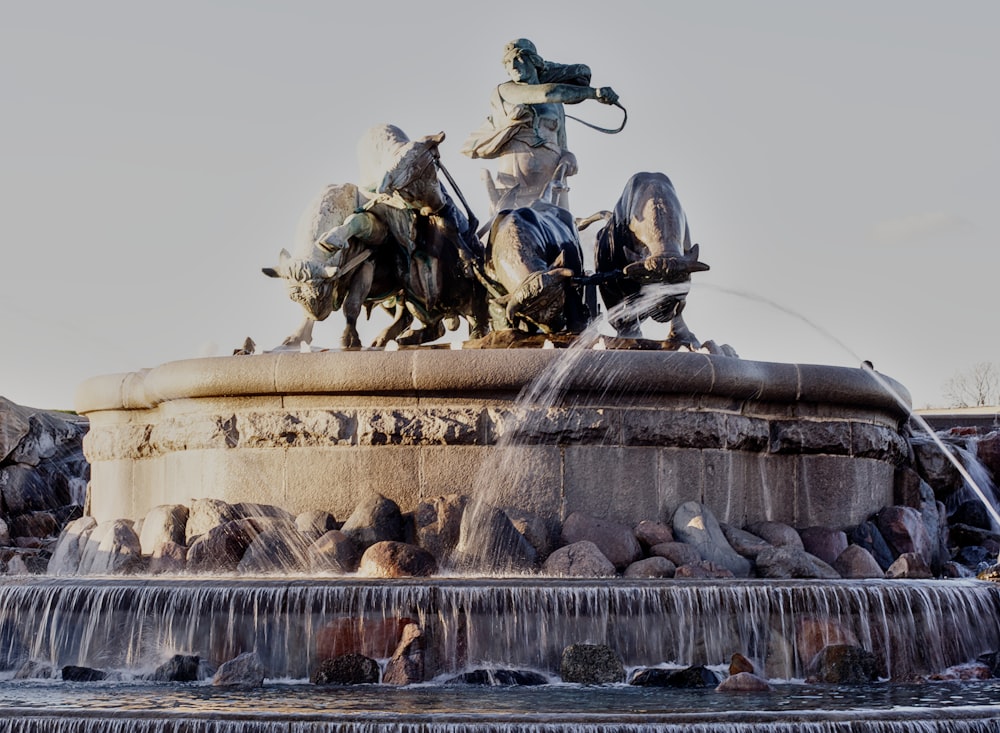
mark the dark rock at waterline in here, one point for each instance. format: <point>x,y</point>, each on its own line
<point>910,566</point>
<point>277,549</point>
<point>222,547</point>
<point>333,552</point>
<point>844,664</point>
<point>406,667</point>
<point>973,555</point>
<point>244,671</point>
<point>204,515</point>
<point>962,535</point>
<point>72,673</point>
<point>581,559</point>
<point>499,678</point>
<point>972,513</point>
<point>179,668</point>
<point>856,563</point>
<point>615,540</point>
<point>397,560</point>
<point>375,519</point>
<point>868,536</point>
<point>702,570</point>
<point>739,663</point>
<point>33,669</point>
<point>168,558</point>
<point>591,664</point>
<point>347,669</point>
<point>676,552</point>
<point>952,569</point>
<point>689,678</point>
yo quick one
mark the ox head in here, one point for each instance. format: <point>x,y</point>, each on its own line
<point>661,269</point>
<point>414,176</point>
<point>309,283</point>
<point>541,299</point>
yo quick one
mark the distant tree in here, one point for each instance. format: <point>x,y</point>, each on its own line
<point>974,387</point>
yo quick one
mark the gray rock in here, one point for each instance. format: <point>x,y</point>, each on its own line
<point>702,570</point>
<point>113,549</point>
<point>164,523</point>
<point>70,547</point>
<point>788,562</point>
<point>581,559</point>
<point>28,489</point>
<point>936,469</point>
<point>539,534</point>
<point>904,530</point>
<point>396,560</point>
<point>745,543</point>
<point>868,536</point>
<point>591,664</point>
<point>205,515</point>
<point>911,566</point>
<point>857,563</point>
<point>35,524</point>
<point>244,671</point>
<point>168,558</point>
<point>825,543</point>
<point>4,533</point>
<point>615,540</point>
<point>316,523</point>
<point>375,519</point>
<point>777,534</point>
<point>221,548</point>
<point>14,426</point>
<point>406,666</point>
<point>277,549</point>
<point>651,567</point>
<point>488,541</point>
<point>695,525</point>
<point>333,552</point>
<point>676,552</point>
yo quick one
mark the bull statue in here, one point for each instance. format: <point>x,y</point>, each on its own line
<point>645,242</point>
<point>533,254</point>
<point>400,241</point>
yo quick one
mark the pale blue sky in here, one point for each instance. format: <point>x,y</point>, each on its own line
<point>837,158</point>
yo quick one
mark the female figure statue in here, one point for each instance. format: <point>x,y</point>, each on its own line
<point>526,130</point>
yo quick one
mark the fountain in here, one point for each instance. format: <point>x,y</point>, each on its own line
<point>618,435</point>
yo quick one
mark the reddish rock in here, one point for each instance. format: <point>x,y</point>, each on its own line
<point>581,559</point>
<point>738,663</point>
<point>678,553</point>
<point>397,560</point>
<point>964,672</point>
<point>374,637</point>
<point>407,664</point>
<point>616,541</point>
<point>904,530</point>
<point>856,563</point>
<point>825,543</point>
<point>812,634</point>
<point>651,567</point>
<point>333,552</point>
<point>168,558</point>
<point>777,534</point>
<point>744,682</point>
<point>911,566</point>
<point>651,534</point>
<point>703,570</point>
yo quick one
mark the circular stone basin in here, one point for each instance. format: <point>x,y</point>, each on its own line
<point>627,435</point>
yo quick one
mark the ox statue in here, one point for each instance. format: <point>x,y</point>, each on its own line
<point>646,241</point>
<point>400,240</point>
<point>533,253</point>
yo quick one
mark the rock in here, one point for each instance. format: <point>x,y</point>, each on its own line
<point>375,519</point>
<point>844,664</point>
<point>581,559</point>
<point>856,563</point>
<point>499,678</point>
<point>974,555</point>
<point>69,549</point>
<point>489,541</point>
<point>744,682</point>
<point>314,524</point>
<point>777,534</point>
<point>438,523</point>
<point>651,534</point>
<point>14,426</point>
<point>952,569</point>
<point>914,492</point>
<point>936,469</point>
<point>909,565</point>
<point>396,560</point>
<point>221,548</point>
<point>278,549</point>
<point>702,570</point>
<point>113,549</point>
<point>868,536</point>
<point>689,678</point>
<point>738,663</point>
<point>676,552</point>
<point>972,513</point>
<point>534,529</point>
<point>180,668</point>
<point>962,535</point>
<point>244,671</point>
<point>34,524</point>
<point>651,567</point>
<point>788,562</point>
<point>205,515</point>
<point>407,664</point>
<point>988,452</point>
<point>73,673</point>
<point>333,552</point>
<point>29,489</point>
<point>615,540</point>
<point>4,533</point>
<point>695,525</point>
<point>164,523</point>
<point>745,543</point>
<point>375,637</point>
<point>33,669</point>
<point>347,669</point>
<point>591,664</point>
<point>825,543</point>
<point>967,672</point>
<point>168,558</point>
<point>252,510</point>
<point>812,634</point>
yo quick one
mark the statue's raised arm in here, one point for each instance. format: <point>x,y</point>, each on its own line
<point>526,130</point>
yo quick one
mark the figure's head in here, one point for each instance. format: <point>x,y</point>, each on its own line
<point>521,60</point>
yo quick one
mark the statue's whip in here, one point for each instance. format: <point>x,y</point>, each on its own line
<point>605,130</point>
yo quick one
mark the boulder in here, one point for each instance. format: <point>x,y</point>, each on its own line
<point>179,668</point>
<point>693,677</point>
<point>911,566</point>
<point>73,673</point>
<point>371,637</point>
<point>164,523</point>
<point>972,513</point>
<point>744,682</point>
<point>70,547</point>
<point>745,543</point>
<point>591,664</point>
<point>279,548</point>
<point>904,530</point>
<point>500,678</point>
<point>438,523</point>
<point>814,633</point>
<point>936,469</point>
<point>695,525</point>
<point>777,534</point>
<point>244,671</point>
<point>375,519</point>
<point>844,664</point>
<point>205,515</point>
<point>615,540</point>
<point>488,541</point>
<point>738,663</point>
<point>40,524</point>
<point>651,534</point>
<point>407,663</point>
<point>676,552</point>
<point>396,560</point>
<point>315,523</point>
<point>333,552</point>
<point>988,452</point>
<point>868,536</point>
<point>347,669</point>
<point>826,543</point>
<point>29,489</point>
<point>112,549</point>
<point>221,548</point>
<point>651,567</point>
<point>168,558</point>
<point>856,563</point>
<point>702,570</point>
<point>968,672</point>
<point>788,562</point>
<point>539,533</point>
<point>4,533</point>
<point>581,559</point>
